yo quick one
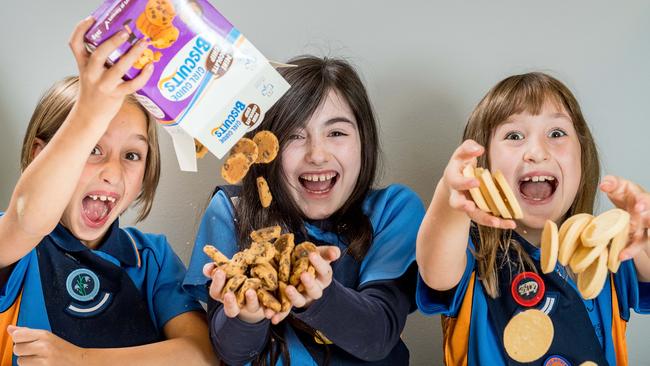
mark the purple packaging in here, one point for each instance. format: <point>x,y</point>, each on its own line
<point>209,81</point>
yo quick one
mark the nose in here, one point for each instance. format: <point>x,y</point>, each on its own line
<point>111,170</point>
<point>536,151</point>
<point>317,152</point>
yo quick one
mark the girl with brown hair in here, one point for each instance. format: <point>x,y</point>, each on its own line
<point>355,307</point>
<point>529,127</point>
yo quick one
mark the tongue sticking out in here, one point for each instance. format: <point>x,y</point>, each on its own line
<point>536,190</point>
<point>317,186</point>
<point>95,210</point>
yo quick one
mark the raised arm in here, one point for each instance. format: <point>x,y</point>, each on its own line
<point>443,235</point>
<point>47,184</point>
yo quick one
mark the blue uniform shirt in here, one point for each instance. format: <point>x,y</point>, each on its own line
<point>130,272</point>
<point>395,214</point>
<point>471,339</point>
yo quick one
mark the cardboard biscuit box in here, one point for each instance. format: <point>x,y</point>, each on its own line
<point>209,82</point>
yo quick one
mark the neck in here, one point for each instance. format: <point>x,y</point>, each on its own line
<point>533,236</point>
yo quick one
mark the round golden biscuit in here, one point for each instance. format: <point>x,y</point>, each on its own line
<point>493,191</point>
<point>604,227</point>
<point>549,247</point>
<point>592,279</point>
<point>569,236</point>
<point>616,246</point>
<point>478,173</point>
<point>584,256</point>
<point>160,12</point>
<point>235,168</point>
<point>528,335</point>
<point>588,363</point>
<point>477,197</point>
<point>268,146</point>
<point>508,195</point>
<point>247,147</point>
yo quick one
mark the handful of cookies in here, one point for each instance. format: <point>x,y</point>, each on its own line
<point>589,245</point>
<point>268,266</point>
<point>494,195</point>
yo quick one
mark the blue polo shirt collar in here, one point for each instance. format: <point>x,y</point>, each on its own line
<point>112,244</point>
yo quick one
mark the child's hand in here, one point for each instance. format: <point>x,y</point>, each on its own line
<point>252,312</point>
<point>102,91</point>
<point>40,347</point>
<point>314,286</point>
<point>459,185</point>
<point>632,198</point>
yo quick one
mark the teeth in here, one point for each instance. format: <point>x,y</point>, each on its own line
<point>538,178</point>
<point>101,198</point>
<point>318,177</point>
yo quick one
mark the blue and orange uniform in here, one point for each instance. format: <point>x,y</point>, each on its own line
<point>584,330</point>
<point>118,295</point>
<point>362,312</point>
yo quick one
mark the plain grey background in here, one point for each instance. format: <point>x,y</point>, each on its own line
<point>425,63</point>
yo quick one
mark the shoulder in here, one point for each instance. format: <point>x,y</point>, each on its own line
<point>391,202</point>
<point>157,244</point>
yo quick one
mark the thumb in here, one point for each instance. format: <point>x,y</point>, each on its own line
<point>330,253</point>
<point>11,329</point>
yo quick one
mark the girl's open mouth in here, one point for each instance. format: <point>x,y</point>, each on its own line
<point>538,188</point>
<point>97,208</point>
<point>318,183</point>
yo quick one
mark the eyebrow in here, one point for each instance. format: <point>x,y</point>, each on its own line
<point>334,120</point>
<point>140,137</point>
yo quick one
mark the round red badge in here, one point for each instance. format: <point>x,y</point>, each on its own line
<point>556,360</point>
<point>527,289</point>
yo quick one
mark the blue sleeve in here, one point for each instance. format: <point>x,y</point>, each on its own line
<point>165,271</point>
<point>218,229</point>
<point>631,293</point>
<point>14,284</point>
<point>446,303</point>
<point>396,213</point>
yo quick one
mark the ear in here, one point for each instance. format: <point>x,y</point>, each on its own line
<point>37,147</point>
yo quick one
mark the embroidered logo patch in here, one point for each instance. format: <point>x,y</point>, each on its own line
<point>527,289</point>
<point>83,287</point>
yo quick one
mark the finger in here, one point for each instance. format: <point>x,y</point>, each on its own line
<point>137,83</point>
<point>127,60</point>
<point>277,318</point>
<point>459,201</point>
<point>230,306</point>
<point>329,253</point>
<point>632,250</point>
<point>459,182</point>
<point>313,288</point>
<point>76,41</point>
<point>252,304</point>
<point>268,313</point>
<point>216,287</point>
<point>486,219</point>
<point>99,57</point>
<point>24,334</point>
<point>35,348</point>
<point>322,267</point>
<point>467,150</point>
<point>296,298</point>
<point>208,268</point>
